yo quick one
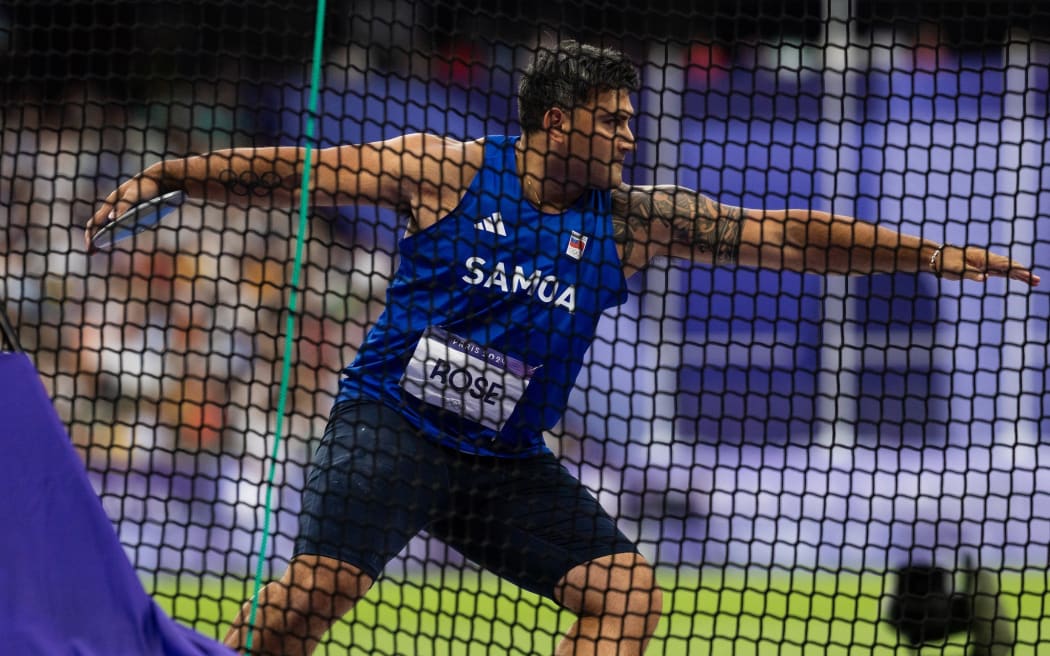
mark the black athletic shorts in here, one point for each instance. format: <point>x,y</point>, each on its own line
<point>375,483</point>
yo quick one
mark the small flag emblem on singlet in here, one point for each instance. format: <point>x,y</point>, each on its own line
<point>577,242</point>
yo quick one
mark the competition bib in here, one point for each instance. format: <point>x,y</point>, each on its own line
<point>467,378</point>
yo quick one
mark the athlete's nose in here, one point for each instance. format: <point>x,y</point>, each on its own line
<point>626,142</point>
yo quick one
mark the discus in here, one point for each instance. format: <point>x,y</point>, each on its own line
<point>138,219</point>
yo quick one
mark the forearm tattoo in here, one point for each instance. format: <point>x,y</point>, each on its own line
<point>250,183</point>
<point>710,227</point>
<point>691,219</point>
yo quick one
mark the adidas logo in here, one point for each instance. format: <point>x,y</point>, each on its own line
<point>492,223</point>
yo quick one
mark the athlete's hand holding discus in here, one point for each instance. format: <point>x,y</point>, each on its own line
<point>263,177</point>
<point>123,199</point>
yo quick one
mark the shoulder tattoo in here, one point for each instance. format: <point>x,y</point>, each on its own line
<point>691,219</point>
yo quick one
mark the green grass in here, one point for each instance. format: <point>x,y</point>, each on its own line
<point>742,613</point>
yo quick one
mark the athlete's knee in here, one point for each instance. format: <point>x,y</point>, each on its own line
<point>622,585</point>
<point>295,611</point>
<point>321,589</point>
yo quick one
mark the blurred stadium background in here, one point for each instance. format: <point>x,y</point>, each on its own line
<point>778,442</point>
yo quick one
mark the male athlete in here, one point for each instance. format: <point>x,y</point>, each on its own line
<point>514,248</point>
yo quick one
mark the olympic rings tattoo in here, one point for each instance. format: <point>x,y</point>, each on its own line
<point>249,183</point>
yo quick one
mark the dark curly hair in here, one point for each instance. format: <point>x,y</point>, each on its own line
<point>568,75</point>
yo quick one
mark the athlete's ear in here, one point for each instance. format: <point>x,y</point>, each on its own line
<point>556,123</point>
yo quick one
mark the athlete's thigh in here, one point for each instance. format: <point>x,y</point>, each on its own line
<point>373,484</point>
<point>529,521</point>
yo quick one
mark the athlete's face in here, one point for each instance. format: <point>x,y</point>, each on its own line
<point>600,138</point>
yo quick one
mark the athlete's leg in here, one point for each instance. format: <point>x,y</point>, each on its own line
<point>618,605</point>
<point>534,524</point>
<point>295,612</point>
<point>371,487</point>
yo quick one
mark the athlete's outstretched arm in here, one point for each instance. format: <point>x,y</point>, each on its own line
<point>675,221</point>
<point>386,173</point>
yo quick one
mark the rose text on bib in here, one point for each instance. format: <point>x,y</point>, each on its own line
<point>467,378</point>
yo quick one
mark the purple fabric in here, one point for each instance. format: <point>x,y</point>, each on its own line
<point>66,586</point>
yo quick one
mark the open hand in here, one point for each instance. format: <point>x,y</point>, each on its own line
<point>975,263</point>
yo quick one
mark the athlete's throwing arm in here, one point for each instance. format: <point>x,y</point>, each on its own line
<point>420,175</point>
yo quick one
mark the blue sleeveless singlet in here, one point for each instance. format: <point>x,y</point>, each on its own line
<point>490,313</point>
